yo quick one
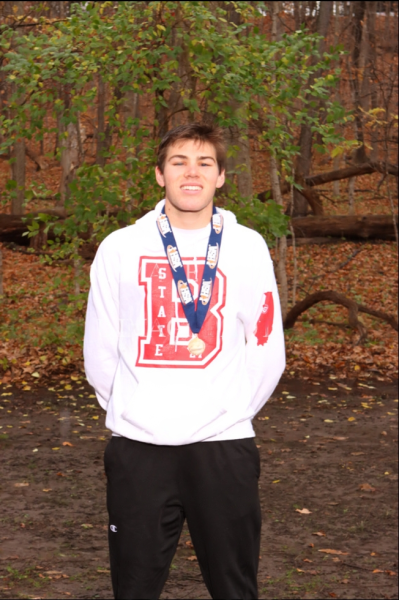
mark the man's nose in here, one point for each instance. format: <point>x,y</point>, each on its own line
<point>191,170</point>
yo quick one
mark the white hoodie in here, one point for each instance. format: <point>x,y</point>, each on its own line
<point>136,335</point>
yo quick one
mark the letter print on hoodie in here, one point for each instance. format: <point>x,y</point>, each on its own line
<point>167,332</point>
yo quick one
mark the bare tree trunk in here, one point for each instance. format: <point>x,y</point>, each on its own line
<point>371,8</point>
<point>100,157</point>
<point>293,239</point>
<point>351,195</point>
<point>276,23</point>
<point>297,15</point>
<point>18,149</point>
<point>305,139</point>
<point>394,217</point>
<point>18,175</point>
<point>57,9</point>
<point>161,117</point>
<point>387,20</point>
<point>239,164</point>
<point>131,108</point>
<point>281,243</point>
<point>77,267</point>
<point>1,274</point>
<point>69,162</point>
<point>364,64</point>
<point>336,184</point>
<point>131,105</point>
<point>281,269</point>
<point>359,8</point>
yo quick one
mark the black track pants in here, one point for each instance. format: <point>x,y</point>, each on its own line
<point>152,489</point>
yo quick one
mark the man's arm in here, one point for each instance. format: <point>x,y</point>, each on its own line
<point>102,323</point>
<point>265,350</point>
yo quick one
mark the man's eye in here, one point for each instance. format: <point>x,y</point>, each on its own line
<point>205,165</point>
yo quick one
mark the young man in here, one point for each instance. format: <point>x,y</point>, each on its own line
<point>184,345</point>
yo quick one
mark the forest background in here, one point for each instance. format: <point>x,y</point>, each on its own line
<point>307,94</point>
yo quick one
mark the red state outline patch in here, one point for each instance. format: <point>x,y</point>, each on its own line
<point>264,325</point>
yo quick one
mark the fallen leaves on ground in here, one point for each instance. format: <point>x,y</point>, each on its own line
<point>315,345</point>
<point>366,487</point>
<point>303,511</point>
<point>331,551</point>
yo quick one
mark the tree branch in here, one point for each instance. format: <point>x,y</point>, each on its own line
<point>336,298</point>
<point>336,175</point>
<point>312,299</point>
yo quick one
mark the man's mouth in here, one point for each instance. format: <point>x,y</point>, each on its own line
<point>191,188</point>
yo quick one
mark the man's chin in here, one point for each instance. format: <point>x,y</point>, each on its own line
<point>189,207</point>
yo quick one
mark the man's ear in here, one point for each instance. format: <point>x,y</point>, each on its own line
<point>221,179</point>
<point>159,177</point>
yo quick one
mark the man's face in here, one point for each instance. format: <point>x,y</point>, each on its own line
<point>190,176</point>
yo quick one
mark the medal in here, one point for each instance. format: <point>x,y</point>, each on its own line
<point>195,315</point>
<point>196,346</point>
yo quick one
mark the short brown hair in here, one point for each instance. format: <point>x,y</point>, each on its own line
<point>198,132</point>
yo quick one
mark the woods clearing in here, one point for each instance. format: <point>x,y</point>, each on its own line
<point>328,491</point>
<point>304,91</point>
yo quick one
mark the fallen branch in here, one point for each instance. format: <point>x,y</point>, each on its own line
<point>361,227</point>
<point>312,299</point>
<point>352,171</point>
<point>336,298</point>
<point>390,319</point>
<point>39,161</point>
<point>337,175</point>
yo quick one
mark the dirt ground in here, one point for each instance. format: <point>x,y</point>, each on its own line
<point>327,447</point>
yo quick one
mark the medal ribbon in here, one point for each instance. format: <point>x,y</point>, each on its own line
<point>194,316</point>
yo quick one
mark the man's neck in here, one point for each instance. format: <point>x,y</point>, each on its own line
<point>187,219</point>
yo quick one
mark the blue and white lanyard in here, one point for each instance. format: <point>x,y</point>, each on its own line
<point>194,315</point>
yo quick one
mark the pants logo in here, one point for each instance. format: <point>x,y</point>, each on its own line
<point>167,332</point>
<point>113,528</point>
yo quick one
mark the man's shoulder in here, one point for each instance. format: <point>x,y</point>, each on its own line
<point>117,241</point>
<point>245,235</point>
<point>138,232</point>
<point>121,236</point>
